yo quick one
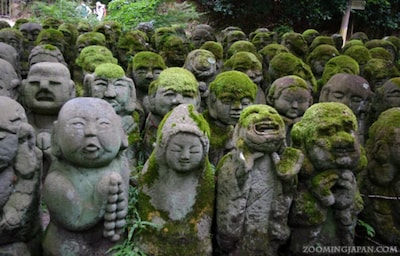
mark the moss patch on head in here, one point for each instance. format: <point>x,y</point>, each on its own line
<point>91,38</point>
<point>241,46</point>
<point>215,48</point>
<point>340,64</point>
<point>53,34</point>
<point>146,59</point>
<point>177,79</point>
<point>384,129</point>
<point>243,61</point>
<point>321,51</point>
<point>109,71</point>
<point>257,113</point>
<point>291,81</point>
<point>360,53</point>
<point>233,82</point>
<point>90,52</point>
<point>380,53</point>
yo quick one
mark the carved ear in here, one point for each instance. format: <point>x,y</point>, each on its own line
<point>26,161</point>
<point>72,92</point>
<point>381,152</point>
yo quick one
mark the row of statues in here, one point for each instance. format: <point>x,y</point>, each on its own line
<point>233,147</point>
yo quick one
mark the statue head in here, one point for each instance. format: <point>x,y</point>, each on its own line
<point>201,34</point>
<point>30,31</point>
<point>359,53</point>
<point>108,82</point>
<point>310,34</point>
<point>260,129</point>
<point>88,133</point>
<point>247,63</point>
<point>9,80</point>
<point>241,46</point>
<point>52,36</point>
<point>339,64</point>
<point>46,53</point>
<point>47,87</point>
<point>263,38</point>
<point>92,56</point>
<point>52,23</point>
<point>10,54</point>
<point>327,135</point>
<point>378,71</point>
<point>230,93</point>
<point>231,35</point>
<point>319,56</point>
<point>130,43</point>
<point>201,63</point>
<point>174,50</point>
<point>296,44</point>
<point>290,96</point>
<point>269,51</point>
<point>352,90</point>
<point>70,32</point>
<point>144,68</point>
<point>174,86</point>
<point>183,139</point>
<point>90,38</point>
<point>12,37</point>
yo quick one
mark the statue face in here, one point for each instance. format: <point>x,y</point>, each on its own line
<point>143,76</point>
<point>166,99</point>
<point>292,102</point>
<point>200,36</point>
<point>89,135</point>
<point>11,39</point>
<point>265,131</point>
<point>352,96</point>
<point>334,145</point>
<point>184,152</point>
<point>114,91</point>
<point>262,39</point>
<point>47,87</point>
<point>30,31</point>
<point>10,119</point>
<point>227,108</point>
<point>202,65</point>
<point>391,94</point>
<point>9,80</point>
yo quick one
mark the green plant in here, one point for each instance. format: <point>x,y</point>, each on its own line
<point>162,13</point>
<point>134,226</point>
<point>368,228</point>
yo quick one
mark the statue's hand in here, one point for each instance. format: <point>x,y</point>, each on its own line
<point>289,163</point>
<point>321,185</point>
<point>345,190</point>
<point>116,208</point>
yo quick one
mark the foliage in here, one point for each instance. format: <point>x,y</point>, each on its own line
<point>368,228</point>
<point>61,9</point>
<point>162,13</point>
<point>134,226</point>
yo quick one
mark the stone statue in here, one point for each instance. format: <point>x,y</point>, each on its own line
<point>15,38</point>
<point>129,44</point>
<point>86,190</point>
<point>353,91</point>
<point>327,202</point>
<point>262,38</point>
<point>174,49</point>
<point>318,58</point>
<point>20,163</point>
<point>231,35</point>
<point>10,54</point>
<point>46,53</point>
<point>47,87</point>
<point>112,30</point>
<point>174,86</point>
<point>200,34</point>
<point>144,68</point>
<point>90,38</point>
<point>378,71</point>
<point>255,185</point>
<point>380,182</point>
<point>203,65</point>
<point>9,80</point>
<point>359,53</point>
<point>229,93</point>
<point>30,32</point>
<point>251,65</point>
<point>53,37</point>
<point>290,96</point>
<point>296,44</point>
<point>108,82</point>
<point>216,49</point>
<point>176,188</point>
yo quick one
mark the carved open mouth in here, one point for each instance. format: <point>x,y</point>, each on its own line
<point>42,96</point>
<point>266,127</point>
<point>90,148</point>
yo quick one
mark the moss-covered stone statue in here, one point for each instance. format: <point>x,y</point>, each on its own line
<point>321,40</point>
<point>327,202</point>
<point>112,30</point>
<point>53,37</point>
<point>251,65</point>
<point>229,93</point>
<point>90,38</point>
<point>174,86</point>
<point>174,50</point>
<point>387,96</point>
<point>144,68</point>
<point>30,32</point>
<point>290,96</point>
<point>319,56</point>
<point>45,90</point>
<point>386,44</point>
<point>231,35</point>
<point>20,172</point>
<point>108,82</point>
<point>241,46</point>
<point>129,44</point>
<point>380,182</point>
<point>296,44</point>
<point>92,56</point>
<point>200,34</point>
<point>262,38</point>
<point>359,53</point>
<point>15,38</point>
<point>284,64</point>
<point>353,91</point>
<point>378,71</point>
<point>309,35</point>
<point>86,191</point>
<point>267,53</point>
<point>176,187</point>
<point>203,65</point>
<point>255,185</point>
<point>9,80</point>
<point>217,50</point>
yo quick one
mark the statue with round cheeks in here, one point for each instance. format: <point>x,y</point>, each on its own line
<point>9,80</point>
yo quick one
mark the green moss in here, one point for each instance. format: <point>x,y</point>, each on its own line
<point>50,47</point>
<point>91,53</point>
<point>360,53</point>
<point>380,53</point>
<point>321,51</point>
<point>146,59</point>
<point>91,38</point>
<point>257,113</point>
<point>308,205</point>
<point>321,40</point>
<point>215,48</point>
<point>201,123</point>
<point>351,43</point>
<point>310,34</point>
<point>286,82</point>
<point>235,83</point>
<point>243,61</point>
<point>340,64</point>
<point>109,71</point>
<point>50,34</point>
<point>241,46</point>
<point>289,158</point>
<point>177,79</point>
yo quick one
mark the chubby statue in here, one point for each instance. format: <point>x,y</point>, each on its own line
<point>20,163</point>
<point>176,188</point>
<point>87,186</point>
<point>255,185</point>
<point>325,208</point>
